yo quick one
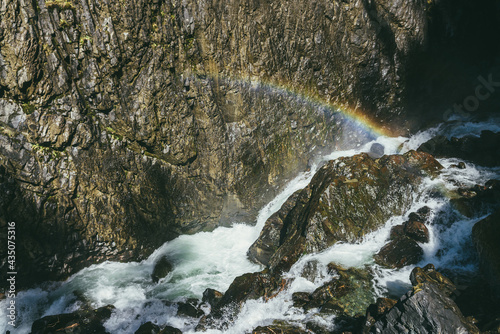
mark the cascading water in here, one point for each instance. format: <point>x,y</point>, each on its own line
<point>214,259</point>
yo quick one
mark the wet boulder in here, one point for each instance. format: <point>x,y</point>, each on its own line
<point>341,203</point>
<point>427,308</point>
<point>161,269</point>
<point>317,328</point>
<point>398,253</point>
<point>424,212</point>
<point>301,299</point>
<point>403,249</point>
<point>376,151</point>
<point>189,309</point>
<point>211,296</point>
<point>245,287</point>
<point>151,328</point>
<point>417,231</point>
<point>148,328</point>
<point>397,232</point>
<point>170,330</point>
<point>81,321</point>
<point>429,274</point>
<point>460,165</point>
<point>414,228</point>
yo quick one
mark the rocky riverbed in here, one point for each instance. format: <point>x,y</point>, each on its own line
<point>330,258</point>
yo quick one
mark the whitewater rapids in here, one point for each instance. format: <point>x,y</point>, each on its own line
<point>214,259</point>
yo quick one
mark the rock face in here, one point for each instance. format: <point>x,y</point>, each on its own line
<point>483,150</point>
<point>124,124</point>
<point>319,215</point>
<point>485,235</point>
<point>428,308</point>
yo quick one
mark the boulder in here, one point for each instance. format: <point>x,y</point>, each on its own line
<point>398,253</point>
<point>428,274</point>
<point>81,321</point>
<point>189,309</point>
<point>403,249</point>
<point>414,228</point>
<point>301,299</point>
<point>148,328</point>
<point>317,328</point>
<point>170,330</point>
<point>376,151</point>
<point>424,212</point>
<point>319,215</point>
<point>211,296</point>
<point>269,240</point>
<point>417,231</point>
<point>460,165</point>
<point>161,269</point>
<point>244,287</point>
<point>426,309</point>
<point>397,232</point>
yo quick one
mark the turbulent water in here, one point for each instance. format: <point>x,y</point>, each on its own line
<point>214,259</point>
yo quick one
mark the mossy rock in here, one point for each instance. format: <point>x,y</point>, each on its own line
<point>348,295</point>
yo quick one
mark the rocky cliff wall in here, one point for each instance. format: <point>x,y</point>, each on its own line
<point>126,123</point>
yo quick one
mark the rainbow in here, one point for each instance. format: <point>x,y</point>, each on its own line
<point>354,115</point>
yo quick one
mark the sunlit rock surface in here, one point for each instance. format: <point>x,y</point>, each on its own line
<point>346,199</point>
